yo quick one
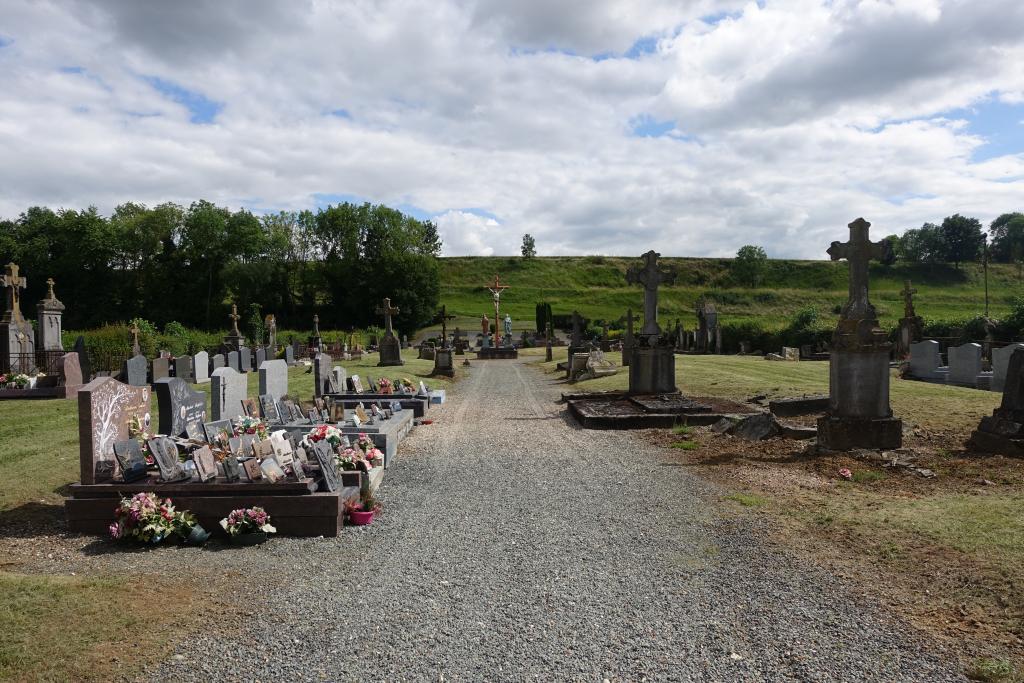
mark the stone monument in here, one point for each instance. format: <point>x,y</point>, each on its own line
<point>707,325</point>
<point>316,342</point>
<point>652,365</point>
<point>233,340</point>
<point>1003,431</point>
<point>17,339</point>
<point>859,415</point>
<point>50,310</point>
<point>444,363</point>
<point>507,326</point>
<point>390,349</point>
<point>911,325</point>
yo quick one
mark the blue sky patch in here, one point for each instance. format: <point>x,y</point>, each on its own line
<point>998,122</point>
<point>5,41</point>
<point>72,70</point>
<point>341,114</point>
<point>203,110</point>
<point>646,126</point>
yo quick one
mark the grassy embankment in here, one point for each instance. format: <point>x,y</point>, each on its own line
<point>59,627</point>
<point>596,286</point>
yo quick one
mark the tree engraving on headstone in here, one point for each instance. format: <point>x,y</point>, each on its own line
<point>106,407</point>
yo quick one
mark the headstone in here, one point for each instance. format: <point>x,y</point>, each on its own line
<point>289,355</point>
<point>261,355</point>
<point>83,358</point>
<point>227,389</point>
<point>106,407</point>
<point>134,371</point>
<point>183,369</point>
<point>50,311</point>
<point>161,368</point>
<point>859,415</point>
<point>130,460</point>
<point>234,338</point>
<point>390,349</point>
<point>1003,431</point>
<point>629,338</point>
<point>201,367</point>
<point>964,364</point>
<point>1001,363</point>
<point>322,375</point>
<point>652,365</point>
<point>911,325</point>
<point>707,326</point>
<point>273,376</point>
<point>340,375</point>
<point>70,372</point>
<point>182,408</point>
<point>925,360</point>
<point>328,468</point>
<point>245,359</point>
<point>218,361</point>
<point>443,363</point>
<point>234,361</point>
<point>17,338</point>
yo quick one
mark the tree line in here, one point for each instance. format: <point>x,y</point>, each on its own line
<point>189,264</point>
<point>960,239</point>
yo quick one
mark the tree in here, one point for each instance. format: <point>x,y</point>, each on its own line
<point>749,266</point>
<point>926,244</point>
<point>1007,232</point>
<point>529,246</point>
<point>963,238</point>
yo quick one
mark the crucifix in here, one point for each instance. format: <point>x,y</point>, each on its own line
<point>858,252</point>
<point>908,299</point>
<point>14,284</point>
<point>496,289</point>
<point>49,287</point>
<point>444,326</point>
<point>234,321</point>
<point>136,349</point>
<point>650,276</point>
<point>387,310</point>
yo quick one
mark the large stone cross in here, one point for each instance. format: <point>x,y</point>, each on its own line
<point>234,321</point>
<point>444,326</point>
<point>387,310</point>
<point>908,299</point>
<point>859,251</point>
<point>13,283</point>
<point>650,276</point>
<point>136,349</point>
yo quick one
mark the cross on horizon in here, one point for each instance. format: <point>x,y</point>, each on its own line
<point>908,299</point>
<point>49,289</point>
<point>387,310</point>
<point>650,276</point>
<point>13,284</point>
<point>858,252</point>
<point>234,321</point>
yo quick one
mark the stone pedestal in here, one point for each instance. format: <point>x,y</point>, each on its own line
<point>17,347</point>
<point>652,370</point>
<point>1003,432</point>
<point>859,415</point>
<point>390,351</point>
<point>443,364</point>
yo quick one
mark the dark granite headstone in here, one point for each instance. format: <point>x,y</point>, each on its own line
<point>182,408</point>
<point>232,469</point>
<point>328,468</point>
<point>233,361</point>
<point>245,359</point>
<point>83,358</point>
<point>130,460</point>
<point>161,368</point>
<point>269,408</point>
<point>289,355</point>
<point>322,376</point>
<point>183,369</point>
<point>261,355</point>
<point>134,371</point>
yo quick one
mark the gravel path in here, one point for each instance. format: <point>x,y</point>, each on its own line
<point>515,546</point>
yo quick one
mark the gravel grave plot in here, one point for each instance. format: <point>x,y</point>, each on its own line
<point>514,545</point>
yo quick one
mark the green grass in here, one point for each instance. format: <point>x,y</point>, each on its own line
<point>686,445</point>
<point>39,457</point>
<point>683,430</point>
<point>749,500</point>
<point>994,670</point>
<point>869,476</point>
<point>596,286</point>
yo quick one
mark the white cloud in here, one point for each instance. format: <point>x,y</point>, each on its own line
<point>792,118</point>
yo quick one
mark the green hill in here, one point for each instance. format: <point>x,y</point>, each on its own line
<point>596,286</point>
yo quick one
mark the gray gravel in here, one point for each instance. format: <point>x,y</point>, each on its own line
<point>516,546</point>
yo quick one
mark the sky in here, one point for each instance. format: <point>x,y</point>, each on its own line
<point>691,127</point>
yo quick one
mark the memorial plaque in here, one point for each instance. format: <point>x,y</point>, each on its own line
<point>249,408</point>
<point>130,460</point>
<point>106,408</point>
<point>314,416</point>
<point>252,469</point>
<point>232,469</point>
<point>269,408</point>
<point>206,464</point>
<point>165,452</point>
<point>356,383</point>
<point>182,408</point>
<point>218,432</point>
<point>328,468</point>
<point>263,449</point>
<point>298,470</point>
<point>272,471</point>
<point>361,413</point>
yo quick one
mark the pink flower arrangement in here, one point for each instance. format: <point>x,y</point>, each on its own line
<point>247,521</point>
<point>350,459</point>
<point>250,425</point>
<point>386,387</point>
<point>144,517</point>
<point>321,432</point>
<point>364,442</point>
<point>846,474</point>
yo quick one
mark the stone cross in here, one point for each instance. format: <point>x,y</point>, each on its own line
<point>859,251</point>
<point>650,276</point>
<point>136,349</point>
<point>234,321</point>
<point>49,288</point>
<point>13,283</point>
<point>316,325</point>
<point>387,310</point>
<point>908,299</point>
<point>444,326</point>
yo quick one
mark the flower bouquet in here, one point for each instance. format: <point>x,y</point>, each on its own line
<point>351,459</point>
<point>137,430</point>
<point>371,453</point>
<point>407,386</point>
<point>327,433</point>
<point>144,518</point>
<point>385,385</point>
<point>360,513</point>
<point>248,526</point>
<point>251,425</point>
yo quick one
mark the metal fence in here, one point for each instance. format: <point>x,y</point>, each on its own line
<point>48,362</point>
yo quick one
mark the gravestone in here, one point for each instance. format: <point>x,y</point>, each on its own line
<point>322,376</point>
<point>261,355</point>
<point>161,368</point>
<point>245,359</point>
<point>629,338</point>
<point>925,360</point>
<point>70,373</point>
<point>652,366</point>
<point>234,338</point>
<point>50,311</point>
<point>268,406</point>
<point>390,349</point>
<point>183,369</point>
<point>707,325</point>
<point>273,378</point>
<point>218,361</point>
<point>83,358</point>
<point>443,363</point>
<point>340,375</point>
<point>134,371</point>
<point>106,407</point>
<point>17,338</point>
<point>182,408</point>
<point>964,364</point>
<point>233,361</point>
<point>289,355</point>
<point>1001,363</point>
<point>911,324</point>
<point>201,367</point>
<point>328,468</point>
<point>859,415</point>
<point>426,351</point>
<point>1003,431</point>
<point>227,390</point>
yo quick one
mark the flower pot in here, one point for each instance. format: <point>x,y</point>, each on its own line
<point>253,538</point>
<point>360,517</point>
<point>197,536</point>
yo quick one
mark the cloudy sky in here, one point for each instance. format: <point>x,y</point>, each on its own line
<point>600,127</point>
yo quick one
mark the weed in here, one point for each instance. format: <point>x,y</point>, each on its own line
<point>869,476</point>
<point>684,430</point>
<point>748,500</point>
<point>992,670</point>
<point>686,445</point>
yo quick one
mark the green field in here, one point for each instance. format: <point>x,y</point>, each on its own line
<point>596,286</point>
